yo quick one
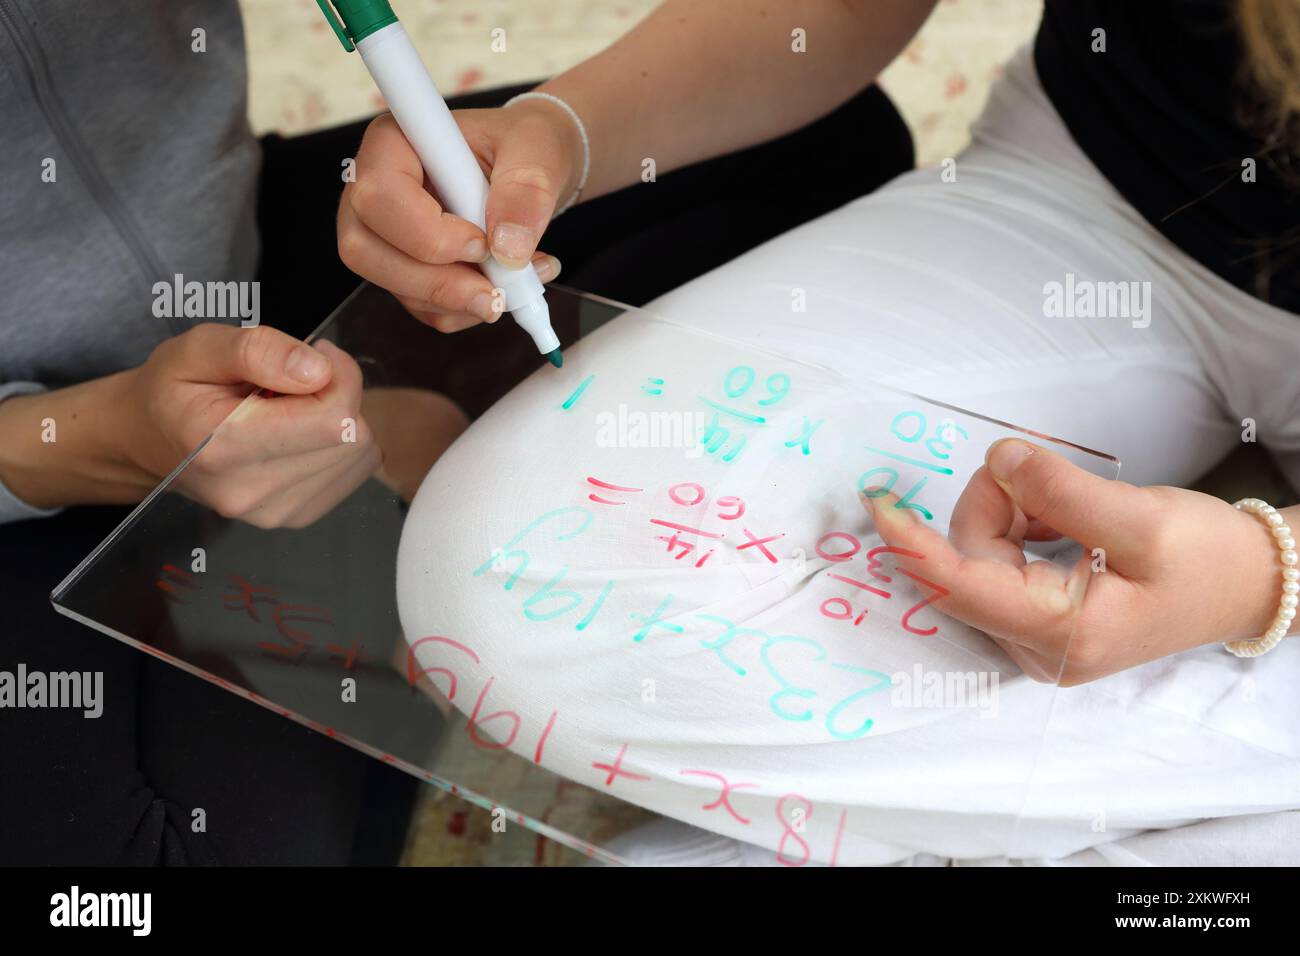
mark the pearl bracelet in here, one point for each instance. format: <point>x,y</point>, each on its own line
<point>1286,610</point>
<point>582,131</point>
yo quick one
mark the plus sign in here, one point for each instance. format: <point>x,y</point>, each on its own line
<point>759,542</point>
<point>616,770</point>
<point>653,620</point>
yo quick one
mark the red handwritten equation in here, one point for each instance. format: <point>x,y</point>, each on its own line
<point>793,847</point>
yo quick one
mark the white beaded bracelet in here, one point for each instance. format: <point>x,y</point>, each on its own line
<point>1286,611</point>
<point>582,131</point>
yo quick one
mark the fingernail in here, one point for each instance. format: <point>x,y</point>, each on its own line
<point>1005,456</point>
<point>513,244</point>
<point>475,250</point>
<point>483,306</point>
<point>305,365</point>
<point>548,268</point>
<point>884,508</point>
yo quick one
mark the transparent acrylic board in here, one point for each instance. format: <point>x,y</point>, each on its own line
<point>659,593</point>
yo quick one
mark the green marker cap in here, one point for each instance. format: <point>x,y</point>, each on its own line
<point>360,19</point>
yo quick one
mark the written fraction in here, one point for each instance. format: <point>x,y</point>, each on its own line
<point>669,588</point>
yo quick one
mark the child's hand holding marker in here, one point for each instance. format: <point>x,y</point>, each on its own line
<point>478,258</point>
<point>422,221</point>
<point>393,231</point>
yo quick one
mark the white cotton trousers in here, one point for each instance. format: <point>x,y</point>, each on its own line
<point>937,287</point>
<point>971,288</point>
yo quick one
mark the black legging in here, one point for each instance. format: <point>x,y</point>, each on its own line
<point>121,789</point>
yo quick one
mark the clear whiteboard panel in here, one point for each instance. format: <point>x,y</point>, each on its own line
<point>680,577</point>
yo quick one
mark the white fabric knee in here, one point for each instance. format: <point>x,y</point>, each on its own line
<point>657,621</point>
<point>701,629</point>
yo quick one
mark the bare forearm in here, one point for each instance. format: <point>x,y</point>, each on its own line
<point>66,447</point>
<point>699,78</point>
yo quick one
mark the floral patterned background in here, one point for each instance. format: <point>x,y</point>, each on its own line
<point>300,79</point>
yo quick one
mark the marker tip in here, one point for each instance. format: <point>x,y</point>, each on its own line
<point>555,358</point>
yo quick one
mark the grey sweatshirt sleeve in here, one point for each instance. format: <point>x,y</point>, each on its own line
<point>122,165</point>
<point>12,508</point>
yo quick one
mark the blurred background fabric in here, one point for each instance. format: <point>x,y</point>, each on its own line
<point>300,80</point>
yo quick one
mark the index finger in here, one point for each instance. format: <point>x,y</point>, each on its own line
<point>1032,605</point>
<point>389,196</point>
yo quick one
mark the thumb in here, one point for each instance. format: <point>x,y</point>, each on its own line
<point>262,356</point>
<point>524,193</point>
<point>1060,494</point>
